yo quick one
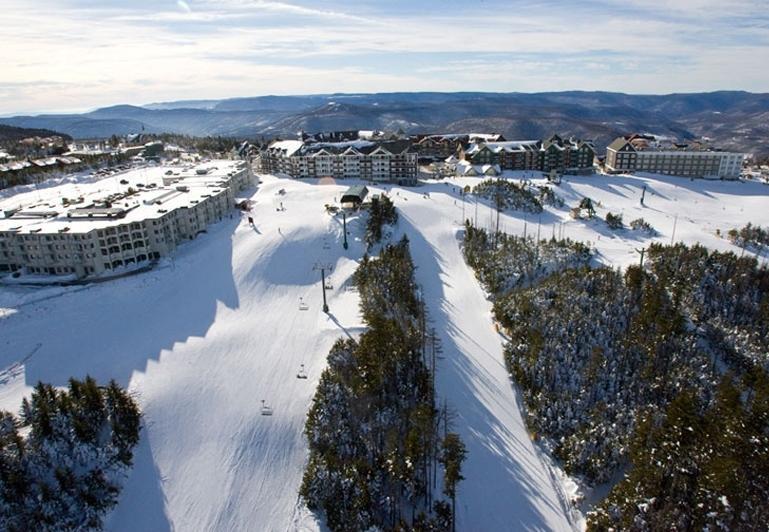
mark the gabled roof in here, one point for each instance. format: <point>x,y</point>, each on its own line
<point>288,148</point>
<point>354,194</point>
<point>351,151</point>
<point>618,144</point>
<point>380,150</point>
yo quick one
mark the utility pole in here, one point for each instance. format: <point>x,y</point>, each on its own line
<point>344,222</point>
<point>643,194</point>
<point>641,251</point>
<point>463,205</point>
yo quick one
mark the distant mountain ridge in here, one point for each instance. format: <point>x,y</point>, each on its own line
<point>11,133</point>
<point>732,119</point>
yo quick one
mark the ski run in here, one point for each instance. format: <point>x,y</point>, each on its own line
<point>223,345</point>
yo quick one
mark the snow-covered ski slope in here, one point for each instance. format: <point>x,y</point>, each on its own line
<point>507,486</point>
<point>202,341</point>
<point>206,337</point>
<point>679,209</point>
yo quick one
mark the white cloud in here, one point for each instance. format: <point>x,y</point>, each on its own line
<point>134,53</point>
<point>286,8</point>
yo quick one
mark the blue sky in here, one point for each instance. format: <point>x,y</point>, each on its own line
<point>72,55</point>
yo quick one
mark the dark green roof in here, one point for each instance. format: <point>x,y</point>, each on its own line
<point>355,193</point>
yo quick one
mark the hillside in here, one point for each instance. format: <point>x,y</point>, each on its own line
<point>733,119</point>
<point>11,133</point>
<point>213,333</point>
<point>218,329</point>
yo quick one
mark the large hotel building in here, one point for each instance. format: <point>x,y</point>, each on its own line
<point>372,160</point>
<point>644,153</point>
<point>142,220</point>
<point>554,153</point>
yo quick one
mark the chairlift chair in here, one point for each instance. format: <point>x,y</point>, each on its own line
<point>266,410</point>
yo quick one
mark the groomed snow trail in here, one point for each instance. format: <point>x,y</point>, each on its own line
<point>202,341</point>
<point>506,486</point>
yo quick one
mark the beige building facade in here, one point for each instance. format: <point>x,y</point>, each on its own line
<point>639,153</point>
<point>133,229</point>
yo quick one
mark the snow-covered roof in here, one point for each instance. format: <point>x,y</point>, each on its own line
<point>490,137</point>
<point>289,146</point>
<point>50,215</point>
<point>368,133</point>
<point>490,169</point>
<point>48,161</point>
<point>475,137</point>
<point>506,146</point>
<point>465,168</point>
<point>358,144</point>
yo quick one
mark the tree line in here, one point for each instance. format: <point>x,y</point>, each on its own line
<point>379,454</point>
<point>660,371</point>
<point>63,461</point>
<point>381,212</point>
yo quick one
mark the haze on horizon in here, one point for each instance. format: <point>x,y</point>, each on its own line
<point>75,55</point>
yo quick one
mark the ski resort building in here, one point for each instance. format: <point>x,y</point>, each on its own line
<point>355,196</point>
<point>555,153</point>
<point>140,222</point>
<point>646,153</point>
<point>379,161</point>
<point>442,146</point>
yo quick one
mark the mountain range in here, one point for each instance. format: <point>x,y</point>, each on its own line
<point>732,119</point>
<point>12,134</point>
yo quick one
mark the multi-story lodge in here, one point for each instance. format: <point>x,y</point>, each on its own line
<point>94,234</point>
<point>554,153</point>
<point>645,153</point>
<point>443,146</point>
<point>383,161</point>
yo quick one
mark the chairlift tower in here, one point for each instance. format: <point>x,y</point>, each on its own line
<point>641,252</point>
<point>323,267</point>
<point>344,228</point>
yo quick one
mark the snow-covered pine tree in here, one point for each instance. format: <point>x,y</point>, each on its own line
<point>67,472</point>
